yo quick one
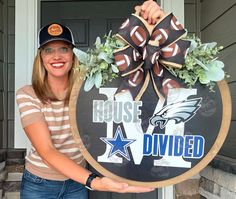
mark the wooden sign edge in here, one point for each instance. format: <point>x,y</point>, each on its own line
<point>225,123</point>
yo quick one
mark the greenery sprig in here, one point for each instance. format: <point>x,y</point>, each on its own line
<point>99,62</point>
<point>201,63</point>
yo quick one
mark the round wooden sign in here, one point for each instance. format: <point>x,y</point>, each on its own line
<point>151,142</point>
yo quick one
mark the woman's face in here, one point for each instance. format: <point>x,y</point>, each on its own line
<point>57,57</point>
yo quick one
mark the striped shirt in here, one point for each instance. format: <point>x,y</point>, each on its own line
<point>56,115</point>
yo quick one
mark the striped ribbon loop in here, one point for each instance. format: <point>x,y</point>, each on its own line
<point>150,50</point>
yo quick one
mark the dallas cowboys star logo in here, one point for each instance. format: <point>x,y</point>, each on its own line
<point>118,144</point>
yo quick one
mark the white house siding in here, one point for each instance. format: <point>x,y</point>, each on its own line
<point>7,39</point>
<point>213,20</point>
<point>218,24</point>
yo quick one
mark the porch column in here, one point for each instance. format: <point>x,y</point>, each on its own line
<point>26,27</point>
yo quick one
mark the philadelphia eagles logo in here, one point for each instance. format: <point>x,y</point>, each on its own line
<point>181,111</point>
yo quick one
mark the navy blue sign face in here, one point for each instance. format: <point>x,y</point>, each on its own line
<point>151,140</point>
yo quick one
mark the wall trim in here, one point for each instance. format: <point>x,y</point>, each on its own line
<point>26,26</point>
<point>177,7</point>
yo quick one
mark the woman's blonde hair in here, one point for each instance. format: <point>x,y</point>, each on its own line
<point>40,83</point>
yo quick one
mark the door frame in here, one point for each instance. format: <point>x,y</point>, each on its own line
<point>27,23</point>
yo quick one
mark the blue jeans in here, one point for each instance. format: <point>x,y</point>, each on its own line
<point>34,187</point>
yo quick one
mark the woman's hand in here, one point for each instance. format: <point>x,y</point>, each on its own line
<point>150,11</point>
<point>107,184</point>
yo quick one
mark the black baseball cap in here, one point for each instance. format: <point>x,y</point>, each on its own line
<point>55,32</point>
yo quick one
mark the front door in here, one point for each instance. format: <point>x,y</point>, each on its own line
<point>89,19</point>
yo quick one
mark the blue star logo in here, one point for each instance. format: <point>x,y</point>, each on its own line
<point>118,144</point>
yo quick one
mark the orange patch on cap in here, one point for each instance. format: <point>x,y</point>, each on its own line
<point>55,30</point>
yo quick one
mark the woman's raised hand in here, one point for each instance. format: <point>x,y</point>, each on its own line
<point>150,11</point>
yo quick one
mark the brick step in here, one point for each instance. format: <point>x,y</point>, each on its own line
<point>11,170</point>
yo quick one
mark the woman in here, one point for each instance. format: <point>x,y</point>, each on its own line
<point>54,167</point>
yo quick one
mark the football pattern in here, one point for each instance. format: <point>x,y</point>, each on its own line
<point>158,70</point>
<point>174,24</point>
<point>136,55</point>
<point>154,57</point>
<point>122,61</point>
<point>169,84</point>
<point>179,52</point>
<point>125,24</point>
<point>146,52</point>
<point>170,51</point>
<point>160,35</point>
<point>138,36</point>
<point>136,78</point>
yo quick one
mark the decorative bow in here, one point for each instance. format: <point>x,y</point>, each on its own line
<point>150,50</point>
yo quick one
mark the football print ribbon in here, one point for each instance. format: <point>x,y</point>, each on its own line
<point>149,51</point>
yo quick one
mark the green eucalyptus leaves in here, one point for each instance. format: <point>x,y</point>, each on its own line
<point>201,63</point>
<point>98,62</point>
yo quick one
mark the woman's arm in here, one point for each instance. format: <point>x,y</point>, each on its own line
<point>39,136</point>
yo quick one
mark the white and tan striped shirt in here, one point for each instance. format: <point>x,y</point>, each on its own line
<point>56,115</point>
